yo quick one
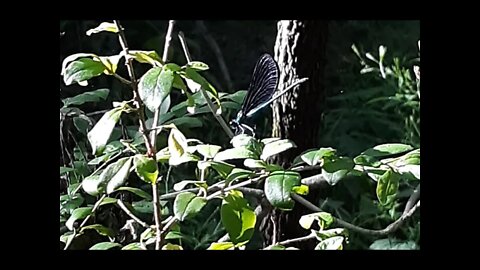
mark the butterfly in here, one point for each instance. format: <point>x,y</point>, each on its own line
<point>263,84</point>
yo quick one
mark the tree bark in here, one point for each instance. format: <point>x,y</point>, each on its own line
<point>300,52</point>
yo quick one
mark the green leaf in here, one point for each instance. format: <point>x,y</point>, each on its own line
<point>179,84</point>
<point>276,247</point>
<point>134,246</point>
<point>186,157</point>
<point>101,132</point>
<point>393,244</point>
<point>234,153</point>
<point>137,192</point>
<point>366,160</point>
<point>82,70</point>
<point>387,187</point>
<point>92,96</point>
<point>237,174</point>
<point>236,97</point>
<point>177,143</point>
<point>147,57</point>
<point>102,230</point>
<point>104,26</point>
<point>105,246</point>
<point>222,168</point>
<point>186,121</point>
<point>276,147</point>
<point>301,190</point>
<point>116,174</point>
<point>73,57</point>
<point>82,123</point>
<point>221,246</point>
<point>169,246</point>
<point>79,213</point>
<point>254,163</point>
<point>65,170</point>
<point>314,156</point>
<point>324,220</point>
<point>387,150</point>
<point>182,184</point>
<point>332,243</point>
<point>187,204</point>
<point>411,171</point>
<point>110,63</point>
<point>278,187</point>
<point>324,234</point>
<point>155,86</point>
<point>237,217</point>
<point>199,66</point>
<point>207,150</point>
<point>335,169</point>
<point>195,81</point>
<point>93,185</point>
<point>411,158</point>
<point>108,200</point>
<point>143,206</point>
<point>146,168</point>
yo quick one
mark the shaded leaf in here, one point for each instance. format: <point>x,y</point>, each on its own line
<point>134,246</point>
<point>137,192</point>
<point>234,153</point>
<point>91,96</point>
<point>393,244</point>
<point>105,246</point>
<point>116,174</point>
<point>102,230</point>
<point>332,243</point>
<point>387,149</point>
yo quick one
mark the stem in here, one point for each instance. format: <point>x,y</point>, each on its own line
<point>158,216</point>
<point>133,84</point>
<point>168,39</point>
<point>210,104</point>
<point>299,239</point>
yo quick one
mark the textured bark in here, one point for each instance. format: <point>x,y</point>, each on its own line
<point>300,52</point>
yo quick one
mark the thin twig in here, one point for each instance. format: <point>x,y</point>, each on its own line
<point>217,51</point>
<point>166,47</point>
<point>299,239</point>
<point>244,183</point>
<point>123,80</point>
<point>210,105</point>
<point>125,209</point>
<point>388,230</point>
<point>133,84</point>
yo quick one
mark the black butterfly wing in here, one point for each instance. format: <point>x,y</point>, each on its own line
<point>263,84</point>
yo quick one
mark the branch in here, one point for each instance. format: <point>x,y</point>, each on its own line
<point>244,183</point>
<point>216,50</point>
<point>412,200</point>
<point>133,84</point>
<point>389,229</point>
<point>210,105</point>
<point>125,209</point>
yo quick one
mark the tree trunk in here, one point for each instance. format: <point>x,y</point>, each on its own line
<point>300,52</point>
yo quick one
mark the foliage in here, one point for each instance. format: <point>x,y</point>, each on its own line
<point>115,173</point>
